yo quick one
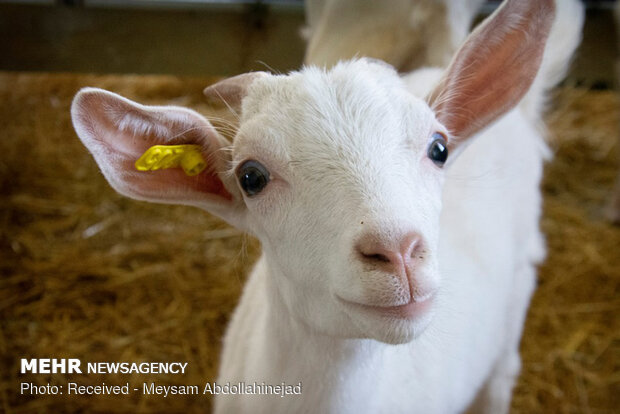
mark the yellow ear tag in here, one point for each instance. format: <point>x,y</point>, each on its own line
<point>160,157</point>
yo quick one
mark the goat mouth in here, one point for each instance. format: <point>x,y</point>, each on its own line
<point>414,309</point>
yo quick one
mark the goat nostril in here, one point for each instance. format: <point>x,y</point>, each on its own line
<point>377,257</point>
<point>412,248</point>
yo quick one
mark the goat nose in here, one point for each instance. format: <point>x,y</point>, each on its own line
<point>393,255</point>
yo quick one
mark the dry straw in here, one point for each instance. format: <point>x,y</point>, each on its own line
<point>88,274</point>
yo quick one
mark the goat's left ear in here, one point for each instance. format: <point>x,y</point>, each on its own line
<point>118,131</point>
<point>494,68</point>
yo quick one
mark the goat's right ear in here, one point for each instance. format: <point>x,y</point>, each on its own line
<point>494,68</point>
<point>231,91</point>
<point>118,131</point>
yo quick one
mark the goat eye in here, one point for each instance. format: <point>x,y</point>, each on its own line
<point>438,149</point>
<point>253,177</point>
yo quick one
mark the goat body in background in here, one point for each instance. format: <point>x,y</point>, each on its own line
<point>407,34</point>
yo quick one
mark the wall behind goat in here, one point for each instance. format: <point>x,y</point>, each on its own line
<point>215,40</point>
<point>195,39</point>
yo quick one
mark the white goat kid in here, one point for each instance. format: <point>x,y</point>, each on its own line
<point>368,292</point>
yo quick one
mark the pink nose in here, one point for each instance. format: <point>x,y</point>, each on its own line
<point>394,255</point>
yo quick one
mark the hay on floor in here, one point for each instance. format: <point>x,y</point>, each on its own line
<point>88,274</point>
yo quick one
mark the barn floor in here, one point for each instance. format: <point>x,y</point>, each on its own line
<point>88,274</point>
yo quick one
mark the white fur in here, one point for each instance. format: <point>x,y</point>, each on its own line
<point>488,244</point>
<point>285,328</point>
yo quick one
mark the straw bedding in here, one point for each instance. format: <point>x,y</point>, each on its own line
<point>88,274</point>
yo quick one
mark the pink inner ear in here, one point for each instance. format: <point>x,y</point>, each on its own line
<point>118,131</point>
<point>147,183</point>
<point>494,68</point>
<point>140,133</point>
